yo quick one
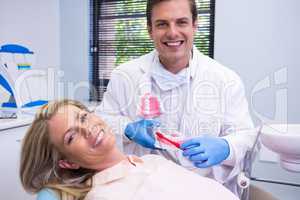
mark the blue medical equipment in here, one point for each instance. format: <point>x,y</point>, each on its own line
<point>10,69</point>
<point>18,49</point>
<point>8,103</point>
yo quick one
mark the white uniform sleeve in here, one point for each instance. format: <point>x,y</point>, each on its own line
<point>238,130</point>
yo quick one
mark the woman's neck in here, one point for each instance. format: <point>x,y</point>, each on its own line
<point>111,158</point>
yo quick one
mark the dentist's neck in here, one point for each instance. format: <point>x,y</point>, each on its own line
<point>175,65</point>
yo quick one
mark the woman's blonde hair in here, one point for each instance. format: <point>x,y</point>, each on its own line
<point>39,158</point>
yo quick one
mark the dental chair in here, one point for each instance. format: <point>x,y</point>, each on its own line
<point>47,194</point>
<point>253,192</point>
<point>257,193</point>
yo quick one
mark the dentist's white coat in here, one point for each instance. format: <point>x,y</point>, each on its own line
<point>205,98</point>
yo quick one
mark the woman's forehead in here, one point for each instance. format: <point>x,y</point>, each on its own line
<point>67,110</point>
<point>61,121</point>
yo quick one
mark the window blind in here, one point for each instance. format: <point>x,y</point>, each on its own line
<point>119,33</point>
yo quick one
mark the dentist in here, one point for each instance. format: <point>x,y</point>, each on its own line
<point>200,98</point>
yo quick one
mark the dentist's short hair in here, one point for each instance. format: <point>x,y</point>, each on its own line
<point>39,157</point>
<point>152,3</point>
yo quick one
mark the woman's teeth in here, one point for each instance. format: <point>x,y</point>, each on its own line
<point>99,137</point>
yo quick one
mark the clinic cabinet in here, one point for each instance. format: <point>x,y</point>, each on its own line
<point>10,147</point>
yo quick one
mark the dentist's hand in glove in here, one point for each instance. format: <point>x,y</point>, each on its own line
<point>205,151</point>
<point>142,132</point>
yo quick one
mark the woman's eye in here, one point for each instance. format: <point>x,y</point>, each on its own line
<point>83,117</point>
<point>70,138</point>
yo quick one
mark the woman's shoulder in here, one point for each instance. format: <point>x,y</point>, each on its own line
<point>153,158</point>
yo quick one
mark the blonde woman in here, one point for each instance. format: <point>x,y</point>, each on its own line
<point>73,152</point>
<point>39,168</point>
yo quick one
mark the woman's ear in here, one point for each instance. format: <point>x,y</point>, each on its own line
<point>65,164</point>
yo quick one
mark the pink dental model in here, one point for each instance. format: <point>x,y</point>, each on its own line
<point>168,141</point>
<point>150,109</point>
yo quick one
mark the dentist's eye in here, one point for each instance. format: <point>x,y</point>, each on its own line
<point>161,25</point>
<point>182,22</point>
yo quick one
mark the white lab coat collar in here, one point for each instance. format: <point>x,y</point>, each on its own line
<point>165,79</point>
<point>153,55</point>
<point>194,62</point>
<point>148,60</point>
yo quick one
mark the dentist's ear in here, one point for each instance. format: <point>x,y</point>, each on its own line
<point>195,26</point>
<point>149,28</point>
<point>65,164</point>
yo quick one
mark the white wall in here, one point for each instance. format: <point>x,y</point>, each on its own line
<point>58,33</point>
<point>34,24</point>
<point>74,46</point>
<point>258,38</point>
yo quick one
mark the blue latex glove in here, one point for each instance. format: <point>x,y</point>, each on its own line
<point>205,151</point>
<point>141,132</point>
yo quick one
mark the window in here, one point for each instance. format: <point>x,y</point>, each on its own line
<point>118,34</point>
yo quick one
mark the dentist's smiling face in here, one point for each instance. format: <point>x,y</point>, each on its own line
<point>172,31</point>
<point>82,137</point>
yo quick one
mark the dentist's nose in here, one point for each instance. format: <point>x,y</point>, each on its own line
<point>172,31</point>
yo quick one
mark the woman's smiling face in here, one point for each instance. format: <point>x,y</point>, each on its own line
<point>82,137</point>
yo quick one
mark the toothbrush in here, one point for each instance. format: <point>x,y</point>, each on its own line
<point>162,138</point>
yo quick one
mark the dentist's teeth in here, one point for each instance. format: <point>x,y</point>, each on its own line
<point>173,43</point>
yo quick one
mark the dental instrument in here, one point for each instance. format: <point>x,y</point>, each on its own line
<point>244,177</point>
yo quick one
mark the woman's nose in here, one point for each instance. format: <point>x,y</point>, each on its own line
<point>85,130</point>
<point>92,129</point>
<point>86,133</point>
